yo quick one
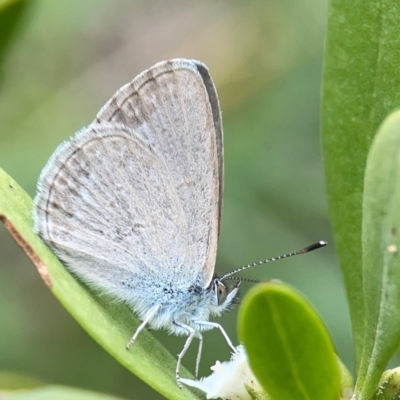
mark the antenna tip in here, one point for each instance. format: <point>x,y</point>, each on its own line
<point>315,246</point>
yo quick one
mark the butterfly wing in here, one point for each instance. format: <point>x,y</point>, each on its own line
<point>166,89</point>
<point>138,191</point>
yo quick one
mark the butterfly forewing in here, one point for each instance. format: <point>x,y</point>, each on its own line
<point>131,107</point>
<point>141,187</point>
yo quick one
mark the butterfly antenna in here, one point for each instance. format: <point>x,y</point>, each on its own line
<point>304,250</point>
<point>242,279</point>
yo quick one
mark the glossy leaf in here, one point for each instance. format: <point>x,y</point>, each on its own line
<point>381,262</point>
<point>109,323</point>
<point>289,349</point>
<point>361,86</point>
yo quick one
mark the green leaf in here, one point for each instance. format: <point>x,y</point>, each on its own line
<point>52,393</point>
<point>289,349</point>
<point>346,381</point>
<point>11,12</point>
<point>109,323</point>
<point>381,263</point>
<point>389,385</point>
<point>361,86</point>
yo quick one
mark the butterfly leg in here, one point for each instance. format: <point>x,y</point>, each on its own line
<point>146,320</point>
<point>192,333</point>
<point>215,325</point>
<point>198,358</point>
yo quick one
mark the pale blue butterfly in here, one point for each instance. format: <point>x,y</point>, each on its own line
<point>132,203</point>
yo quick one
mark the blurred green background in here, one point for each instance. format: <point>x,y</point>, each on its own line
<point>265,57</point>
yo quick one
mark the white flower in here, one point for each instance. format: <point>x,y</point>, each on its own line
<point>228,379</point>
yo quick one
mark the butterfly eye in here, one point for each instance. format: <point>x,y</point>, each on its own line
<point>221,293</point>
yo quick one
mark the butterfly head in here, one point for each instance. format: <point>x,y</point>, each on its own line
<point>223,296</point>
